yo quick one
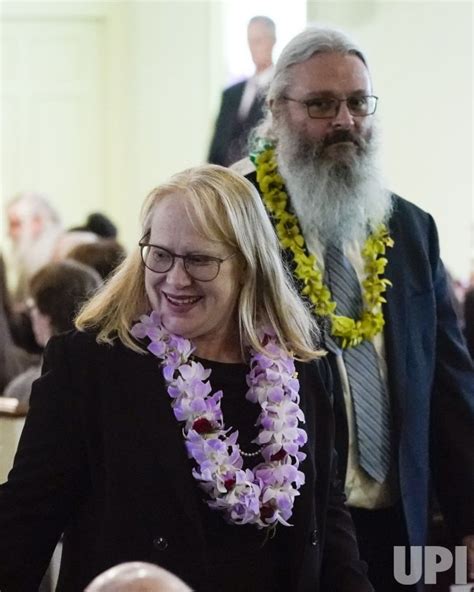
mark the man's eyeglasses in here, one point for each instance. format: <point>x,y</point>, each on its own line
<point>202,268</point>
<point>328,107</point>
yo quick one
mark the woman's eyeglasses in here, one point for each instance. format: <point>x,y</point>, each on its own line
<point>202,268</point>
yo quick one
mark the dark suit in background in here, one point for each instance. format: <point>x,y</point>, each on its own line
<point>229,142</point>
<point>242,104</point>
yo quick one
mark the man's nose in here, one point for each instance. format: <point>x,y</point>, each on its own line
<point>343,118</point>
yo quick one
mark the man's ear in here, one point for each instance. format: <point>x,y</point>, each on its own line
<point>274,108</point>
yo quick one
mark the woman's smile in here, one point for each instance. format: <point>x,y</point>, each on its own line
<point>181,303</point>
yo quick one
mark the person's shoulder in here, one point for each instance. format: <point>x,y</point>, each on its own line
<point>244,167</point>
<point>409,222</point>
<point>74,338</point>
<point>81,345</point>
<point>236,87</point>
<point>403,207</point>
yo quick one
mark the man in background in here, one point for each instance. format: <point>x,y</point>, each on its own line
<point>34,228</point>
<point>37,237</point>
<point>242,103</point>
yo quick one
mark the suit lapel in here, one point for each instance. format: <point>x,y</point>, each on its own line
<point>395,312</point>
<point>160,432</point>
<point>256,110</point>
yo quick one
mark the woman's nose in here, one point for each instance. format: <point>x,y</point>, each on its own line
<point>177,275</point>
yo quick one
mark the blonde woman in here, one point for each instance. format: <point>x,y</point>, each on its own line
<point>188,422</point>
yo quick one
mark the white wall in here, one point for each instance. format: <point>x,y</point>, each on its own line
<point>161,72</point>
<point>52,106</point>
<point>420,54</point>
<point>164,71</point>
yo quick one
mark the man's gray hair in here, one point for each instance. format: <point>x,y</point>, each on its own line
<point>313,40</point>
<point>33,203</point>
<point>266,21</point>
<point>309,42</point>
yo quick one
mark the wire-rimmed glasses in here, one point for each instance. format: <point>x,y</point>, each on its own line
<point>328,107</point>
<point>202,268</point>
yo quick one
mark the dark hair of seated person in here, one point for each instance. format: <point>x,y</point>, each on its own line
<point>60,289</point>
<point>104,256</point>
<point>99,224</point>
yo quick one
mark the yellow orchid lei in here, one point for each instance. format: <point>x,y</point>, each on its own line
<point>350,331</point>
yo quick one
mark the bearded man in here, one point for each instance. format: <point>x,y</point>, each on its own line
<point>34,228</point>
<point>367,261</point>
<point>37,238</point>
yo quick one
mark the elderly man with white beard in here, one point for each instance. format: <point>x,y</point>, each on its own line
<point>34,228</point>
<point>38,237</point>
<point>367,262</point>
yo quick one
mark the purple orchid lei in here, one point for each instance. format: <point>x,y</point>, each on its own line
<point>265,494</point>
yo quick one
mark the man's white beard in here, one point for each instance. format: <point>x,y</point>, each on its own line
<point>337,199</point>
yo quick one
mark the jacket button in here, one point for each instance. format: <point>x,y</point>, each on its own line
<point>314,537</point>
<point>160,543</point>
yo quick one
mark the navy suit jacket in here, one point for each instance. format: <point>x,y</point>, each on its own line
<point>229,142</point>
<point>431,380</point>
<point>102,458</point>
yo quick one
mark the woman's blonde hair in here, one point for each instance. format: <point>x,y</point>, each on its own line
<point>224,207</point>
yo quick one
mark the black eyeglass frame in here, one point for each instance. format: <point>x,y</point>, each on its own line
<point>337,103</point>
<point>185,259</point>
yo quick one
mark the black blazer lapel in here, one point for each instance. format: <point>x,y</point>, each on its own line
<point>160,431</point>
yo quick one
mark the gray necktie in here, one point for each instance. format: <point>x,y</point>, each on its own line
<point>369,395</point>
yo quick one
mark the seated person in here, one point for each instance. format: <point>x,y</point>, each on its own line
<point>13,359</point>
<point>34,228</point>
<point>188,422</point>
<point>57,292</point>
